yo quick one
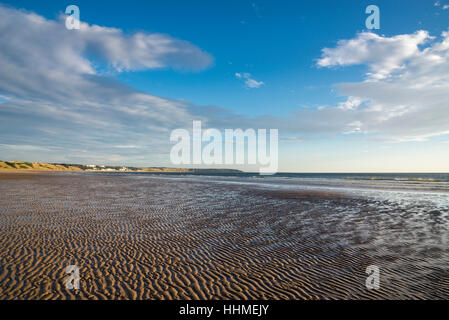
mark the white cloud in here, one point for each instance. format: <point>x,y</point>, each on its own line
<point>350,104</point>
<point>444,7</point>
<point>24,147</point>
<point>383,55</point>
<point>406,92</point>
<point>140,51</point>
<point>57,105</point>
<point>54,93</point>
<point>291,139</point>
<point>249,81</point>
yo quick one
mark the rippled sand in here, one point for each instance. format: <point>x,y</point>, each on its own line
<point>150,237</point>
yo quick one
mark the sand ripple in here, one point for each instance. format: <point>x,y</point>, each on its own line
<point>144,237</point>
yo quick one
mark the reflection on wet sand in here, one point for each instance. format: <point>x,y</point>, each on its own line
<point>151,237</point>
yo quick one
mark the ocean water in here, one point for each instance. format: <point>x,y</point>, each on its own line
<point>411,178</point>
<point>421,190</point>
<point>429,177</point>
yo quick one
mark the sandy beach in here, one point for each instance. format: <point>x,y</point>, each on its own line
<point>156,237</point>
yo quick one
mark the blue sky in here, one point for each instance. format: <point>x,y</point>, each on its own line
<point>279,44</point>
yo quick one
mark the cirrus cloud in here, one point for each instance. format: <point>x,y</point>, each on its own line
<point>56,97</point>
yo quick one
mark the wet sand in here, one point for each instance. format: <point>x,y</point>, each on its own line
<point>149,237</point>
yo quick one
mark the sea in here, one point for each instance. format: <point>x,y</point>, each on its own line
<point>429,190</point>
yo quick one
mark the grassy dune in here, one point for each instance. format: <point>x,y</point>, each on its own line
<point>21,165</point>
